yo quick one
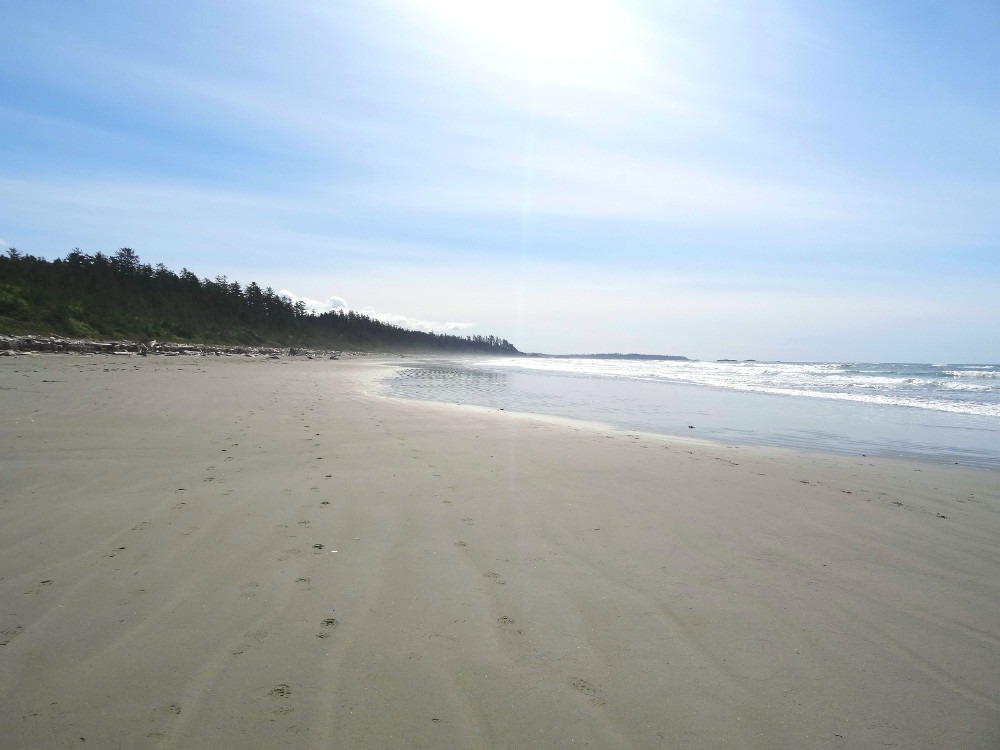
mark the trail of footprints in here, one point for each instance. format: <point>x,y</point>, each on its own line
<point>280,694</point>
<point>509,626</point>
<point>328,625</point>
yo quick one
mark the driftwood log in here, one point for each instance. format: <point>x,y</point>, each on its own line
<point>12,345</point>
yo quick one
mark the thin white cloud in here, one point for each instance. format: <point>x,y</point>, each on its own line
<point>602,186</point>
<point>115,199</point>
<point>403,321</point>
<point>479,163</point>
<point>338,146</point>
<point>316,306</point>
<point>416,324</point>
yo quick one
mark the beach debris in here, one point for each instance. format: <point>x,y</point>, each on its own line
<point>12,345</point>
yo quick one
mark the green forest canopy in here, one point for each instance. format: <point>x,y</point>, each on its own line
<point>117,296</point>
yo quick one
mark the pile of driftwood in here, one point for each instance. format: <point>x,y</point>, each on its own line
<point>10,345</point>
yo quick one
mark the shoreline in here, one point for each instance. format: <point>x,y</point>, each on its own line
<point>712,414</point>
<point>680,440</point>
<point>233,551</point>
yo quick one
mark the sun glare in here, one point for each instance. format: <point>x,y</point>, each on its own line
<point>563,42</point>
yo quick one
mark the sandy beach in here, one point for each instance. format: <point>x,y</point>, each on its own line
<point>202,552</point>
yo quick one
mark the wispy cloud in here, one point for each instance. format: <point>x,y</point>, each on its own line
<point>416,324</point>
<point>403,321</point>
<point>423,157</point>
<point>316,306</point>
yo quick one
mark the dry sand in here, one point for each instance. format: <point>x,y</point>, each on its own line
<point>202,553</point>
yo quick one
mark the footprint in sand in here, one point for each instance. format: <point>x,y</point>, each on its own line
<point>40,587</point>
<point>134,594</point>
<point>328,624</point>
<point>257,636</point>
<point>281,693</point>
<point>6,636</point>
<point>584,687</point>
<point>507,625</point>
<point>163,739</point>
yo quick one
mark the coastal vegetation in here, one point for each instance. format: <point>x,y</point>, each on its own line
<point>119,297</point>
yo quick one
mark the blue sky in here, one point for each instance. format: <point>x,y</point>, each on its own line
<point>766,179</point>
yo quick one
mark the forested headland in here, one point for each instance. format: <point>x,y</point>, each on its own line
<point>119,297</point>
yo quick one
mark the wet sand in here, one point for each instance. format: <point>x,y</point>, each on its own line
<point>213,552</point>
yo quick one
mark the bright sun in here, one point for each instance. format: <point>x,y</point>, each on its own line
<point>567,42</point>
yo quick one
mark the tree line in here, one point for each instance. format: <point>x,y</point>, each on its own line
<point>118,296</point>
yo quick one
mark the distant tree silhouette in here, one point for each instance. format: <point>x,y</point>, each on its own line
<point>118,296</point>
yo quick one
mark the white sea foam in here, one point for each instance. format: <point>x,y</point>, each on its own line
<point>957,389</point>
<point>913,411</point>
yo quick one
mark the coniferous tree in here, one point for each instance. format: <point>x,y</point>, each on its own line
<point>118,296</point>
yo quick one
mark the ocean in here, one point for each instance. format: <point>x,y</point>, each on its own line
<point>928,412</point>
